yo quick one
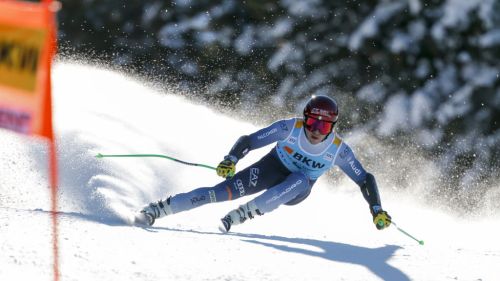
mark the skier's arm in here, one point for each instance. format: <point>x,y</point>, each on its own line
<point>277,131</point>
<point>348,163</point>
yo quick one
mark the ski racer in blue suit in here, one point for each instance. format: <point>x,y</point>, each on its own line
<point>305,149</point>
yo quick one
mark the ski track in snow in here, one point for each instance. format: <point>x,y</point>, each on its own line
<point>327,237</point>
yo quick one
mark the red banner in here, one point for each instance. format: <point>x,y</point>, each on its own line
<point>27,46</point>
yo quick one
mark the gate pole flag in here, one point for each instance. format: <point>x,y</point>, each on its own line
<point>27,47</point>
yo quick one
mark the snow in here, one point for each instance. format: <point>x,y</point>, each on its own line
<point>372,93</point>
<point>423,68</point>
<point>328,236</point>
<point>207,37</point>
<point>429,138</point>
<point>244,43</point>
<point>408,40</point>
<point>415,6</point>
<point>490,39</point>
<point>281,28</point>
<point>395,115</point>
<point>456,11</point>
<point>456,14</point>
<point>299,8</point>
<point>456,106</point>
<point>400,42</point>
<point>369,28</point>
<point>150,12</point>
<point>280,56</point>
<point>480,75</point>
<point>171,35</point>
<point>183,3</point>
<point>222,9</point>
<point>420,103</point>
<point>200,21</point>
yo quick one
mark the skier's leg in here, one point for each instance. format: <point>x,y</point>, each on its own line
<point>260,175</point>
<point>302,196</point>
<point>295,185</point>
<point>186,201</point>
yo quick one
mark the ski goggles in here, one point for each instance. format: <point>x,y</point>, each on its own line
<point>324,127</point>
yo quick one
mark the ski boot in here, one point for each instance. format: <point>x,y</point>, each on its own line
<point>238,216</point>
<point>151,212</point>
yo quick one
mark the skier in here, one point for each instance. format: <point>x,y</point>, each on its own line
<point>306,148</point>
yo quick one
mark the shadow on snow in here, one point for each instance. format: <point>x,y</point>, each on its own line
<point>374,259</point>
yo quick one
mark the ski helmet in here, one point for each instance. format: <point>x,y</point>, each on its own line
<point>321,113</point>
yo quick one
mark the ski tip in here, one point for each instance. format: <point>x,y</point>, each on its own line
<point>99,155</point>
<point>222,229</point>
<point>129,220</point>
<point>142,220</point>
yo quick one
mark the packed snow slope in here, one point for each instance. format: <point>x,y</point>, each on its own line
<point>327,237</point>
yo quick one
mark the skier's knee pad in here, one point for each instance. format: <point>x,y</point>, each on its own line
<point>301,197</point>
<point>305,189</point>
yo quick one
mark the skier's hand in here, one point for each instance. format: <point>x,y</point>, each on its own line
<point>381,219</point>
<point>226,168</point>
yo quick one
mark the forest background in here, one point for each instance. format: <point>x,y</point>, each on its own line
<point>414,79</point>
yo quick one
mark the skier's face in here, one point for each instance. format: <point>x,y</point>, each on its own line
<point>317,129</point>
<point>313,123</point>
<point>314,137</point>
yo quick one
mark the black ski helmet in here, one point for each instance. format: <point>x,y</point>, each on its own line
<point>322,108</point>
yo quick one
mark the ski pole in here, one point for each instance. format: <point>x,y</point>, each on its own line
<point>421,242</point>
<point>99,155</point>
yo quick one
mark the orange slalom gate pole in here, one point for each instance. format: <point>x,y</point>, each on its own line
<point>53,176</point>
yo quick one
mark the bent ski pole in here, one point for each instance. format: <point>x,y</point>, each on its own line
<point>99,155</point>
<point>421,242</point>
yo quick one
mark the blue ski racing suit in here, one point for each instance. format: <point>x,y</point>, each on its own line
<point>287,173</point>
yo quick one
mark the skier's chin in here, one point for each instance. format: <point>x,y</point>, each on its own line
<point>315,139</point>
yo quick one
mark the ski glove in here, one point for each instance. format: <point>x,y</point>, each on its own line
<point>381,219</point>
<point>226,168</point>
